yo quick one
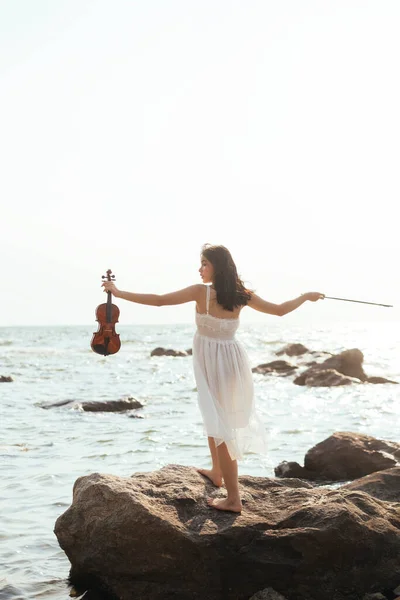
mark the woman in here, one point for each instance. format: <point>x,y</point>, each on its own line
<point>221,367</point>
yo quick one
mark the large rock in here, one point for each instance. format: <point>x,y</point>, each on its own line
<point>384,485</point>
<point>152,536</point>
<point>348,363</point>
<point>344,456</point>
<point>6,379</point>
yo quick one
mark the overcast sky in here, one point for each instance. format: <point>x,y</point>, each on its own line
<point>134,131</point>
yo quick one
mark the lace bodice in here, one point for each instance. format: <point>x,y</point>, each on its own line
<point>215,327</point>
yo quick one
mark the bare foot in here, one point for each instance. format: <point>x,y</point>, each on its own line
<point>225,504</point>
<point>216,478</point>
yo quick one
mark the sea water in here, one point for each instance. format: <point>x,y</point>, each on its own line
<point>44,451</point>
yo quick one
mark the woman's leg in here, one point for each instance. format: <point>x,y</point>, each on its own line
<point>215,473</point>
<point>229,470</point>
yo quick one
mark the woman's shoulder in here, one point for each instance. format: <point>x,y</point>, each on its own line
<point>199,290</point>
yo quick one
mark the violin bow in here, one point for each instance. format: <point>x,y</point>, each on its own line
<point>359,301</point>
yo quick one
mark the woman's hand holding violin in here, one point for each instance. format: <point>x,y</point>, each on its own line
<point>109,286</point>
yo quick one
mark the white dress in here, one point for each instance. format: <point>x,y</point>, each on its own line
<point>225,386</point>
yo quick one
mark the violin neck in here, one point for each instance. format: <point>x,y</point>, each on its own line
<point>108,309</point>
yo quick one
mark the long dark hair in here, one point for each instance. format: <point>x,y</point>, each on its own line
<point>231,291</point>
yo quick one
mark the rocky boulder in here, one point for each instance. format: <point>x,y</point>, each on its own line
<point>5,379</point>
<point>348,363</point>
<point>153,536</point>
<point>344,456</point>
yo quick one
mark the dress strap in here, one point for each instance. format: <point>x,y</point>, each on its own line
<point>208,299</point>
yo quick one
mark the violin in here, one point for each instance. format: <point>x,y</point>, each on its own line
<point>106,341</point>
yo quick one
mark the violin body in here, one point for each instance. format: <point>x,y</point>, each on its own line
<point>106,341</point>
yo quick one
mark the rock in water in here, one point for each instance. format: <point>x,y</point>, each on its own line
<point>343,456</point>
<point>324,378</point>
<point>122,405</point>
<point>276,366</point>
<point>167,352</point>
<point>293,350</point>
<point>347,455</point>
<point>153,537</point>
<point>348,363</point>
<point>111,405</point>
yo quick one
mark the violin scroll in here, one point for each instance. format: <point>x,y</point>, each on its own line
<point>109,276</point>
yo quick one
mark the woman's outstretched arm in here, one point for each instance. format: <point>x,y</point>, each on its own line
<point>189,294</point>
<point>286,307</point>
